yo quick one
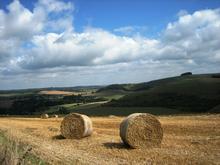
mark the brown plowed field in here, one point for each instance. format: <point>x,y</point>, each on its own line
<point>187,140</point>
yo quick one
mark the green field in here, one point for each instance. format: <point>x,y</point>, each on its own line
<point>97,109</point>
<point>123,111</point>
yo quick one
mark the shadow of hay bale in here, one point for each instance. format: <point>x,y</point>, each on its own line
<point>117,145</point>
<point>58,137</point>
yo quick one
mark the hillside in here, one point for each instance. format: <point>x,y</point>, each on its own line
<point>192,93</point>
<point>174,95</point>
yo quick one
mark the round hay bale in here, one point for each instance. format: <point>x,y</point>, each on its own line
<point>55,116</point>
<point>44,116</point>
<point>141,130</point>
<point>112,116</point>
<point>76,126</point>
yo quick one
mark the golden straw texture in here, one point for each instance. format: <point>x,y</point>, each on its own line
<point>141,130</point>
<point>76,126</point>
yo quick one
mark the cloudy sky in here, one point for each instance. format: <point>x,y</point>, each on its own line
<point>48,43</point>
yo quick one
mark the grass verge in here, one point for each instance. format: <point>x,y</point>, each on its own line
<point>13,153</point>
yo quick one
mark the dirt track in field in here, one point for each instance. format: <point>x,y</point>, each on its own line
<point>187,140</point>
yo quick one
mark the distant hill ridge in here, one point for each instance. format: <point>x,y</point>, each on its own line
<point>194,93</point>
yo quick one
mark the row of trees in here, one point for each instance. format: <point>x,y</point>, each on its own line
<point>32,104</point>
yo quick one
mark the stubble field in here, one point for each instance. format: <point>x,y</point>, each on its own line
<point>187,140</point>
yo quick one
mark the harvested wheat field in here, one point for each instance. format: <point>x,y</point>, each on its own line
<point>186,140</point>
<point>54,92</point>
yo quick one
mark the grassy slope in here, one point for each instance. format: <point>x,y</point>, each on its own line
<point>13,153</point>
<point>216,109</point>
<point>97,109</point>
<point>194,93</point>
<point>123,111</point>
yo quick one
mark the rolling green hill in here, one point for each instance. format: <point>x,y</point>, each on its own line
<point>189,93</point>
<point>175,95</point>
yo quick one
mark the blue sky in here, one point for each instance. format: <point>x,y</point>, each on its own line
<point>111,14</point>
<point>43,42</point>
<point>117,13</point>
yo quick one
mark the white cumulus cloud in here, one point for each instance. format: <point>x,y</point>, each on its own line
<point>35,45</point>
